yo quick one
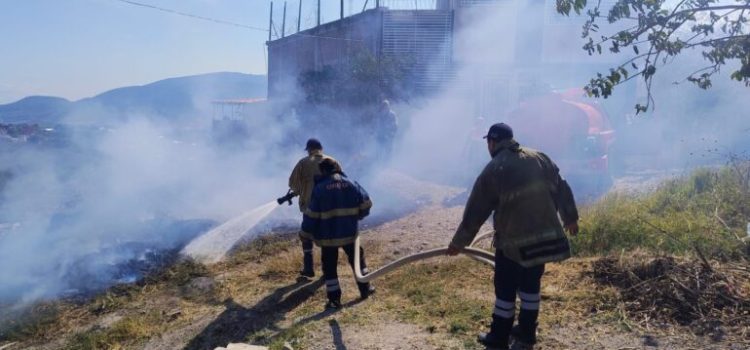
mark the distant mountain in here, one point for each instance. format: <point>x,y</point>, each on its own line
<point>169,99</point>
<point>35,109</point>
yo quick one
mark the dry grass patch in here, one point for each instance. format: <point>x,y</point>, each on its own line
<point>455,296</point>
<point>128,331</point>
<point>435,296</point>
<point>569,293</point>
<point>141,310</point>
<point>38,322</point>
<point>706,298</point>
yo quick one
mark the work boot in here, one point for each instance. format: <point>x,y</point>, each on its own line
<point>307,265</point>
<point>524,333</point>
<point>492,343</point>
<point>307,259</point>
<point>499,335</point>
<point>519,345</point>
<point>307,274</point>
<point>333,305</point>
<point>366,291</point>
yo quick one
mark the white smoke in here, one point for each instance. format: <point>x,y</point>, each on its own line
<point>507,53</point>
<point>65,206</point>
<point>67,211</point>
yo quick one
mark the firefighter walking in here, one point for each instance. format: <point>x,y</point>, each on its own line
<point>331,220</point>
<point>301,182</point>
<point>525,191</point>
<point>386,125</point>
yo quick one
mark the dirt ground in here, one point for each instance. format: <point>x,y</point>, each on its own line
<point>432,227</point>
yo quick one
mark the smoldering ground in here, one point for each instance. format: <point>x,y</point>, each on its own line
<point>74,214</point>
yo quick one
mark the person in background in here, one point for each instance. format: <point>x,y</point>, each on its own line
<point>386,123</point>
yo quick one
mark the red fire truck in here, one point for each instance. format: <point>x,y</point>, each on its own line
<point>574,131</point>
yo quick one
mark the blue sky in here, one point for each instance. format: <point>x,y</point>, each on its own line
<point>79,48</point>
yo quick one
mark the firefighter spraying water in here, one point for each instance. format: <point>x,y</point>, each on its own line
<point>521,186</point>
<point>302,182</point>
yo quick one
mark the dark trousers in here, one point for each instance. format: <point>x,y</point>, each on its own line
<point>330,258</point>
<point>512,279</point>
<point>307,255</point>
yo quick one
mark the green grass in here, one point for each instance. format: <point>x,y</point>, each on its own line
<point>36,322</point>
<point>290,335</point>
<point>128,331</point>
<point>435,296</point>
<point>707,209</point>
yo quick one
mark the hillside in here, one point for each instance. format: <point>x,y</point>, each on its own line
<point>627,300</point>
<point>35,109</point>
<point>171,99</point>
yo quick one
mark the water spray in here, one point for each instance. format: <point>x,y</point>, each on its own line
<point>232,231</point>
<point>213,245</point>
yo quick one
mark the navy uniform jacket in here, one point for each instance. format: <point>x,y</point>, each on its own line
<point>335,207</point>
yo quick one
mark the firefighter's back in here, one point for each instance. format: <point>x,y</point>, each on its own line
<point>338,203</point>
<point>527,211</point>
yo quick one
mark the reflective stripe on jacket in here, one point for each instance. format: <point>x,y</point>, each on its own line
<point>526,192</point>
<point>336,205</point>
<point>302,179</point>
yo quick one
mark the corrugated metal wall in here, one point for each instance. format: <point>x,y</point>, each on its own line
<point>469,3</point>
<point>423,37</point>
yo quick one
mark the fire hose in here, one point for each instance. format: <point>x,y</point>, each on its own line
<point>477,254</point>
<point>480,255</point>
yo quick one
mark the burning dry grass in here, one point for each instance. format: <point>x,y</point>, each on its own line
<point>122,315</point>
<point>39,321</point>
<point>253,297</point>
<point>710,299</point>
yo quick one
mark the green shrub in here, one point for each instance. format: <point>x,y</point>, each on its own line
<point>707,210</point>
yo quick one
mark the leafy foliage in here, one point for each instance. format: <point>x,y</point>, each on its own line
<point>658,30</point>
<point>364,80</point>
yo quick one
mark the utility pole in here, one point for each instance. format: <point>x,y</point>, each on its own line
<point>377,3</point>
<point>299,16</point>
<point>283,22</point>
<point>318,12</point>
<point>342,9</point>
<point>270,23</point>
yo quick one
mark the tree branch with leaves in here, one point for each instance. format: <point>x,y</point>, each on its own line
<point>719,29</point>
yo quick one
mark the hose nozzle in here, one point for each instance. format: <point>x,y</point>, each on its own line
<point>286,198</point>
